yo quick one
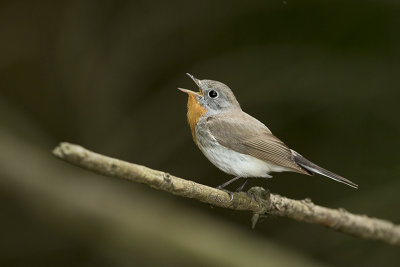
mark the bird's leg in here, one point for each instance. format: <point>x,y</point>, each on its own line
<point>240,188</point>
<point>228,182</point>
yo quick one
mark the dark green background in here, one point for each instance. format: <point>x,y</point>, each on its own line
<point>322,75</point>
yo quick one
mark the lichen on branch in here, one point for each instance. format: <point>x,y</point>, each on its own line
<point>257,200</point>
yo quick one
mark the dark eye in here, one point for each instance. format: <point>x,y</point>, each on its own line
<point>213,94</point>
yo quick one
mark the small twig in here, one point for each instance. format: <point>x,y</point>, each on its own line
<point>256,200</point>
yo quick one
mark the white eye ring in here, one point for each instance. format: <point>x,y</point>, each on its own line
<point>213,94</point>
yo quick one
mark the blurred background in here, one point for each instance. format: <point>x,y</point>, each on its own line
<point>324,77</point>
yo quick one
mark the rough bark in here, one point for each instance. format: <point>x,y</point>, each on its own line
<point>257,200</point>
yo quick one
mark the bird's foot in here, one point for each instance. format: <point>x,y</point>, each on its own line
<point>226,191</point>
<point>240,188</point>
<point>228,182</point>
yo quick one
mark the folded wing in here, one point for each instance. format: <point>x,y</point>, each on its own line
<point>252,138</point>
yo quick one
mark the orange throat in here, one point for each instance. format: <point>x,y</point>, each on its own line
<point>195,111</point>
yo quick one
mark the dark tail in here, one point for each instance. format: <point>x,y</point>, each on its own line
<point>309,166</point>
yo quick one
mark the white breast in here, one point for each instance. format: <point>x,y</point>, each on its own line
<point>233,162</point>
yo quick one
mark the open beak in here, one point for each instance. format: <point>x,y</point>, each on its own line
<point>197,82</point>
<point>190,92</point>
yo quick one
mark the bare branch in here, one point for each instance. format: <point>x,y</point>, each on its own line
<point>256,200</point>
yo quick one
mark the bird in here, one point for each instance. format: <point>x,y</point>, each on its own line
<point>237,143</point>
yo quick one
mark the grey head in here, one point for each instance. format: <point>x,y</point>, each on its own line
<point>214,96</point>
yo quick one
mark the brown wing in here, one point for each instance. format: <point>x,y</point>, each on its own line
<point>251,138</point>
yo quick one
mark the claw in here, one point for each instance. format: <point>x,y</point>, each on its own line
<point>226,191</point>
<point>231,194</point>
